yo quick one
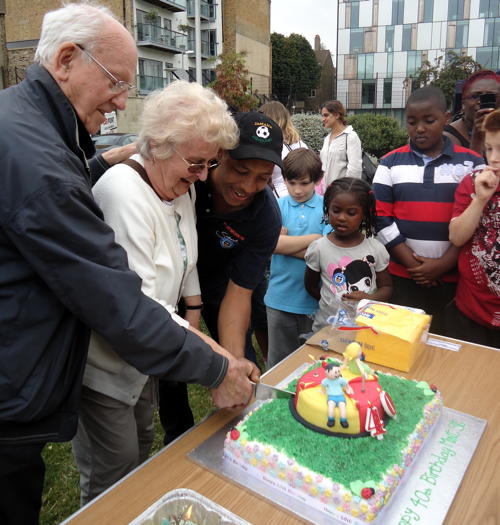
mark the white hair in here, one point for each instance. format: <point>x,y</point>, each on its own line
<point>181,112</point>
<point>81,23</point>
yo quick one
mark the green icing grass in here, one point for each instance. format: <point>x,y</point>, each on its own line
<point>342,459</point>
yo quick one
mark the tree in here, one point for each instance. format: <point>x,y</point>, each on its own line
<point>456,67</point>
<point>311,129</point>
<point>232,82</point>
<point>295,68</point>
<point>379,134</point>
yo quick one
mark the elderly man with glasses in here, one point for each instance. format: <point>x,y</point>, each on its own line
<point>61,271</point>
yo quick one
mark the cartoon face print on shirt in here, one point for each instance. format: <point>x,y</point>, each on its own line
<point>351,275</point>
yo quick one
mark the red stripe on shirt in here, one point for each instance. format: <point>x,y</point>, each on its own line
<point>461,149</point>
<point>384,209</point>
<point>422,211</point>
<point>403,149</point>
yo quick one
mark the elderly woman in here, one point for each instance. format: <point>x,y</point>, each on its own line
<point>341,151</point>
<point>149,202</point>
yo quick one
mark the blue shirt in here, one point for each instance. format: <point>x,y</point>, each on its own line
<point>334,386</point>
<point>286,290</point>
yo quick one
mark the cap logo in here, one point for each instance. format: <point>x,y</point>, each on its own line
<point>263,133</point>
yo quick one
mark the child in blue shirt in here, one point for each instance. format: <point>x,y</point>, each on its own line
<point>289,307</point>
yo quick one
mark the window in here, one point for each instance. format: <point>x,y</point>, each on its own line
<point>413,62</point>
<point>148,25</point>
<point>355,15</point>
<point>387,98</point>
<point>492,32</point>
<point>488,57</point>
<point>398,7</point>
<point>428,10</point>
<point>368,92</point>
<point>389,39</point>
<point>365,66</point>
<point>390,60</point>
<point>406,45</point>
<point>462,34</point>
<point>151,75</point>
<point>455,9</point>
<point>488,8</point>
<point>356,41</point>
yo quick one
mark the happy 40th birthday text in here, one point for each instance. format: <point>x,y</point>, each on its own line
<point>422,496</point>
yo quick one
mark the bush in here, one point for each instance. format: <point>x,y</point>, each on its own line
<point>310,129</point>
<point>379,134</point>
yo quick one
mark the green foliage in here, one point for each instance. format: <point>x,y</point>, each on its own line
<point>310,129</point>
<point>444,76</point>
<point>232,83</point>
<point>295,68</point>
<point>379,134</point>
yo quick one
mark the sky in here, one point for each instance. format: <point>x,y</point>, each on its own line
<point>307,18</point>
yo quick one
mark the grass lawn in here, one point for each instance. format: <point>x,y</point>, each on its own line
<point>61,495</point>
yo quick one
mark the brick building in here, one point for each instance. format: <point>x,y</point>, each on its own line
<point>326,89</point>
<point>175,39</point>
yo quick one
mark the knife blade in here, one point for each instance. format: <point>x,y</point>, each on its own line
<point>263,392</point>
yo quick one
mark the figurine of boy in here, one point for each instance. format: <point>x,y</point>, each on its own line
<point>335,386</point>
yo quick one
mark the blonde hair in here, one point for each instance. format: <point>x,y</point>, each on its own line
<point>180,113</point>
<point>278,112</point>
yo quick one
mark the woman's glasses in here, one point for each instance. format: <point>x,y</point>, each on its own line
<point>196,168</point>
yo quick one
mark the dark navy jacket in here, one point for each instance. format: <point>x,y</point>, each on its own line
<point>62,274</point>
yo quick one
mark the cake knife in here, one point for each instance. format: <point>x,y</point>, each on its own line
<point>263,392</point>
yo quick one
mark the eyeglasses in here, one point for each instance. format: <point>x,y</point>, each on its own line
<point>198,167</point>
<point>119,86</point>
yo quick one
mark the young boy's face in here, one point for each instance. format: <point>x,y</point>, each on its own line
<point>492,148</point>
<point>425,123</point>
<point>302,189</point>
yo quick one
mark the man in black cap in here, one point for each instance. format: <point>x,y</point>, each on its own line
<point>238,222</point>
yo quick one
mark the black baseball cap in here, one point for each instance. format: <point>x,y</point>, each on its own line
<point>260,138</point>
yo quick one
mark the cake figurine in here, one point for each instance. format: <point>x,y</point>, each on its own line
<point>353,361</point>
<point>351,388</point>
<point>335,385</point>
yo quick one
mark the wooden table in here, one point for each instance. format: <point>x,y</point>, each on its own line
<point>469,381</point>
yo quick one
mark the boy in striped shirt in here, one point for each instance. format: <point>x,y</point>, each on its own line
<point>414,187</point>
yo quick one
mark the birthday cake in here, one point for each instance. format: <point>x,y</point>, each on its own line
<point>345,470</point>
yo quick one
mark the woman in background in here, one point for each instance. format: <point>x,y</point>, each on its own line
<point>291,140</point>
<point>341,151</point>
<point>467,131</point>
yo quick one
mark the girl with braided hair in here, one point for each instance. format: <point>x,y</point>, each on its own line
<point>348,263</point>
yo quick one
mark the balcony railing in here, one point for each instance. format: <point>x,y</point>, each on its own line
<point>156,36</point>
<point>208,49</point>
<point>171,5</point>
<point>148,83</point>
<point>207,11</point>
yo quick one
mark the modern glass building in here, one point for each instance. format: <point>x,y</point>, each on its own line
<point>381,43</point>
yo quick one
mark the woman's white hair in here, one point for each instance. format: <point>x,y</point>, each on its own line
<point>82,23</point>
<point>181,112</point>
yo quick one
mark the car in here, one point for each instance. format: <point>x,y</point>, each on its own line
<point>112,140</point>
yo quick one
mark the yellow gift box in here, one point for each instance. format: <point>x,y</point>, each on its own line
<point>396,336</point>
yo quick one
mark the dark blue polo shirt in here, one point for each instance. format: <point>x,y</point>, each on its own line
<point>235,245</point>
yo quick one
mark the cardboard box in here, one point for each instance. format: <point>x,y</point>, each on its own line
<point>392,336</point>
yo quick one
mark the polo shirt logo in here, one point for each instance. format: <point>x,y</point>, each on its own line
<point>226,241</point>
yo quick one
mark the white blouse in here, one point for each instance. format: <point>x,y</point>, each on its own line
<point>341,156</point>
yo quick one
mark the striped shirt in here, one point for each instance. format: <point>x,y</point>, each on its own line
<point>415,198</point>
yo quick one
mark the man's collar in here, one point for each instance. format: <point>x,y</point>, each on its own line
<point>448,148</point>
